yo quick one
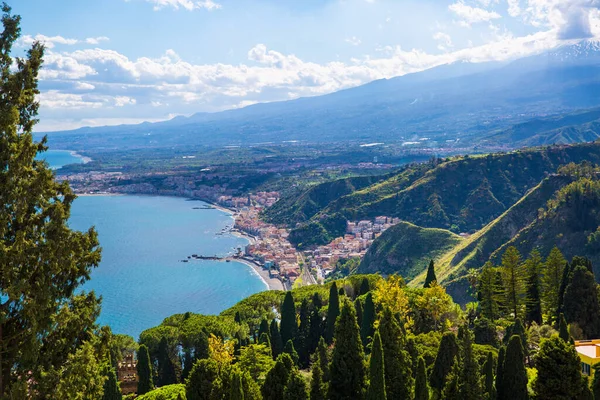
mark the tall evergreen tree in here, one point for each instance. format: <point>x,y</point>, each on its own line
<point>201,380</point>
<point>551,278</point>
<point>512,278</point>
<point>290,350</point>
<point>564,282</point>
<point>316,324</point>
<point>514,374</point>
<point>236,391</point>
<point>302,340</point>
<point>581,302</point>
<point>487,292</point>
<point>323,359</point>
<point>144,371</point>
<point>397,362</point>
<point>45,319</point>
<point>430,278</point>
<point>470,380</point>
<point>264,339</point>
<point>533,302</point>
<point>295,388</point>
<point>111,386</point>
<point>288,326</point>
<point>451,389</point>
<point>421,387</point>
<point>333,311</point>
<point>276,340</point>
<point>376,390</point>
<point>368,320</point>
<point>563,329</point>
<point>167,372</point>
<point>359,311</point>
<point>446,355</point>
<point>365,287</point>
<point>500,374</point>
<point>277,378</point>
<point>347,378</point>
<point>318,390</point>
<point>559,370</point>
<point>488,370</point>
<point>517,328</point>
<point>264,327</point>
<point>596,381</point>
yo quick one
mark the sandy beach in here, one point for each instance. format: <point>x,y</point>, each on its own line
<point>273,283</point>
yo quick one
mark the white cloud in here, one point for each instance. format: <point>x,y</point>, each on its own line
<point>471,15</point>
<point>445,41</point>
<point>185,4</point>
<point>97,40</point>
<point>514,8</point>
<point>52,41</point>
<point>354,41</point>
<point>121,101</point>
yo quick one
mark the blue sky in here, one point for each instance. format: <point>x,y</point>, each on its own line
<point>127,61</point>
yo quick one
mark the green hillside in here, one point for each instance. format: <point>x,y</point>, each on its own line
<point>406,249</point>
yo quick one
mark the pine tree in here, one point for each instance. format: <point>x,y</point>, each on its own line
<point>488,370</point>
<point>563,329</point>
<point>551,278</point>
<point>564,282</point>
<point>347,365</point>
<point>514,374</point>
<point>533,303</point>
<point>500,374</point>
<point>277,378</point>
<point>397,362</point>
<point>421,387</point>
<point>144,371</point>
<point>323,359</point>
<point>295,388</point>
<point>469,380</point>
<point>333,311</point>
<point>581,302</point>
<point>365,287</point>
<point>359,311</point>
<point>288,326</point>
<point>291,351</point>
<point>487,292</point>
<point>318,389</point>
<point>446,354</point>
<point>264,327</point>
<point>276,341</point>
<point>301,342</point>
<point>430,278</point>
<point>376,390</point>
<point>201,380</point>
<point>451,390</point>
<point>559,370</point>
<point>167,374</point>
<point>236,391</point>
<point>512,277</point>
<point>368,320</point>
<point>111,386</point>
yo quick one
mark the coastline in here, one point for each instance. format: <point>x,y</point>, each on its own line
<point>272,283</point>
<point>84,159</point>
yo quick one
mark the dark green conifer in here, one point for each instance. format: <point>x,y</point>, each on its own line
<point>596,381</point>
<point>487,292</point>
<point>264,327</point>
<point>533,302</point>
<point>236,391</point>
<point>421,387</point>
<point>318,389</point>
<point>564,282</point>
<point>238,317</point>
<point>500,374</point>
<point>288,326</point>
<point>514,374</point>
<point>111,386</point>
<point>323,357</point>
<point>201,380</point>
<point>276,341</point>
<point>301,342</point>
<point>341,292</point>
<point>430,278</point>
<point>488,370</point>
<point>365,287</point>
<point>446,355</point>
<point>144,371</point>
<point>581,302</point>
<point>559,370</point>
<point>513,281</point>
<point>316,324</point>
<point>368,320</point>
<point>586,392</point>
<point>563,328</point>
<point>397,362</point>
<point>167,372</point>
<point>291,351</point>
<point>277,378</point>
<point>295,388</point>
<point>333,311</point>
<point>470,379</point>
<point>451,390</point>
<point>347,374</point>
<point>264,339</point>
<point>359,311</point>
<point>376,390</point>
<point>517,328</point>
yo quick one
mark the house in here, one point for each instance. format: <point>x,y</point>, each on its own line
<point>589,354</point>
<point>127,375</point>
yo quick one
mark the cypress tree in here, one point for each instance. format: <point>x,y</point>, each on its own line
<point>586,392</point>
<point>596,381</point>
<point>264,327</point>
<point>581,302</point>
<point>488,370</point>
<point>291,351</point>
<point>446,354</point>
<point>264,339</point>
<point>276,341</point>
<point>144,371</point>
<point>359,311</point>
<point>451,389</point>
<point>277,378</point>
<point>317,386</point>
<point>201,380</point>
<point>295,388</point>
<point>342,292</point>
<point>421,387</point>
<point>514,374</point>
<point>237,318</point>
<point>500,374</point>
<point>533,302</point>
<point>288,326</point>
<point>563,329</point>
<point>487,292</point>
<point>201,346</point>
<point>347,375</point>
<point>301,342</point>
<point>365,287</point>
<point>563,287</point>
<point>551,279</point>
<point>559,370</point>
<point>316,324</point>
<point>517,328</point>
<point>376,390</point>
<point>323,357</point>
<point>236,391</point>
<point>333,311</point>
<point>167,374</point>
<point>368,320</point>
<point>512,279</point>
<point>397,362</point>
<point>430,278</point>
<point>470,381</point>
<point>111,386</point>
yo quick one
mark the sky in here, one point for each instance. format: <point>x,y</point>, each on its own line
<point>112,62</point>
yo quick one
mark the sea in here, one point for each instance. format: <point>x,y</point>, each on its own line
<point>142,277</point>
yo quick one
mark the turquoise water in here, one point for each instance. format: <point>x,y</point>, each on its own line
<point>141,277</point>
<point>60,158</point>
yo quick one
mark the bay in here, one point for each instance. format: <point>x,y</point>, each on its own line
<point>59,158</point>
